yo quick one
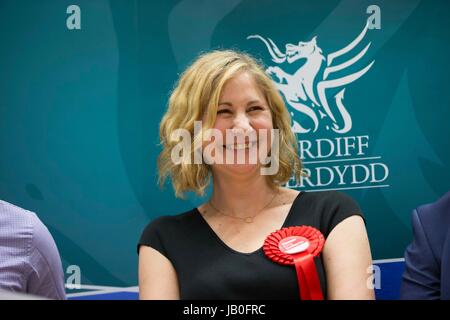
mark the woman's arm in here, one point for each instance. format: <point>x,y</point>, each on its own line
<point>157,277</point>
<point>347,258</point>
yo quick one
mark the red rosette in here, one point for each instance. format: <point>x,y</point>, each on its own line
<point>298,246</point>
<point>271,244</point>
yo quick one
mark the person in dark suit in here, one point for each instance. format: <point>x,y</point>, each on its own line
<point>427,258</point>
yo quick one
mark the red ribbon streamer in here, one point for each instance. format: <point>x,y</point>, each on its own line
<point>308,279</point>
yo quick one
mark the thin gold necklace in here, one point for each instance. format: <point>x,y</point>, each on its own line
<point>246,219</point>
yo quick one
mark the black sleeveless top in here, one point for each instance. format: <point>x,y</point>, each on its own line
<point>208,269</point>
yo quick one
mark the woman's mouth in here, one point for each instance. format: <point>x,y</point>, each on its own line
<point>240,146</point>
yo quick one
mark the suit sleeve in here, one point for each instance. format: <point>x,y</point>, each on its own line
<point>421,280</point>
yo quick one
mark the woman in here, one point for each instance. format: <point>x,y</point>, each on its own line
<point>215,251</point>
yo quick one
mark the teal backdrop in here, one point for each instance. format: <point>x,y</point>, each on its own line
<point>80,109</point>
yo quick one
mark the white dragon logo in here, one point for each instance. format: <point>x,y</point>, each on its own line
<point>302,88</point>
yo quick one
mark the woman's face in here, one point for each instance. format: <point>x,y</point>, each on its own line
<point>243,110</point>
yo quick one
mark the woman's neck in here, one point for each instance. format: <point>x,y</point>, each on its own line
<point>241,196</point>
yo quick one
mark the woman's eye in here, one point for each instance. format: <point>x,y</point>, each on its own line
<point>223,111</point>
<point>255,108</point>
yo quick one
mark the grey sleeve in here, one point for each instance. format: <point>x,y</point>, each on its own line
<point>45,277</point>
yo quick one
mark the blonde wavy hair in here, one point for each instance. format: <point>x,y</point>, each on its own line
<point>195,95</point>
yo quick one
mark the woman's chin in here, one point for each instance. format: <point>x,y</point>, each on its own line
<point>239,162</point>
<point>240,168</point>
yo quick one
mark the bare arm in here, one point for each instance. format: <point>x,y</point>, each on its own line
<point>347,258</point>
<point>157,276</point>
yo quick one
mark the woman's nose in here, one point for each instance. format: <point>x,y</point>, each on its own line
<point>242,122</point>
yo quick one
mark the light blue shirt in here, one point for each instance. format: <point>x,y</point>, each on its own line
<point>29,259</point>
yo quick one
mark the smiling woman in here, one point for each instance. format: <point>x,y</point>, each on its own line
<point>216,251</point>
<point>226,90</point>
